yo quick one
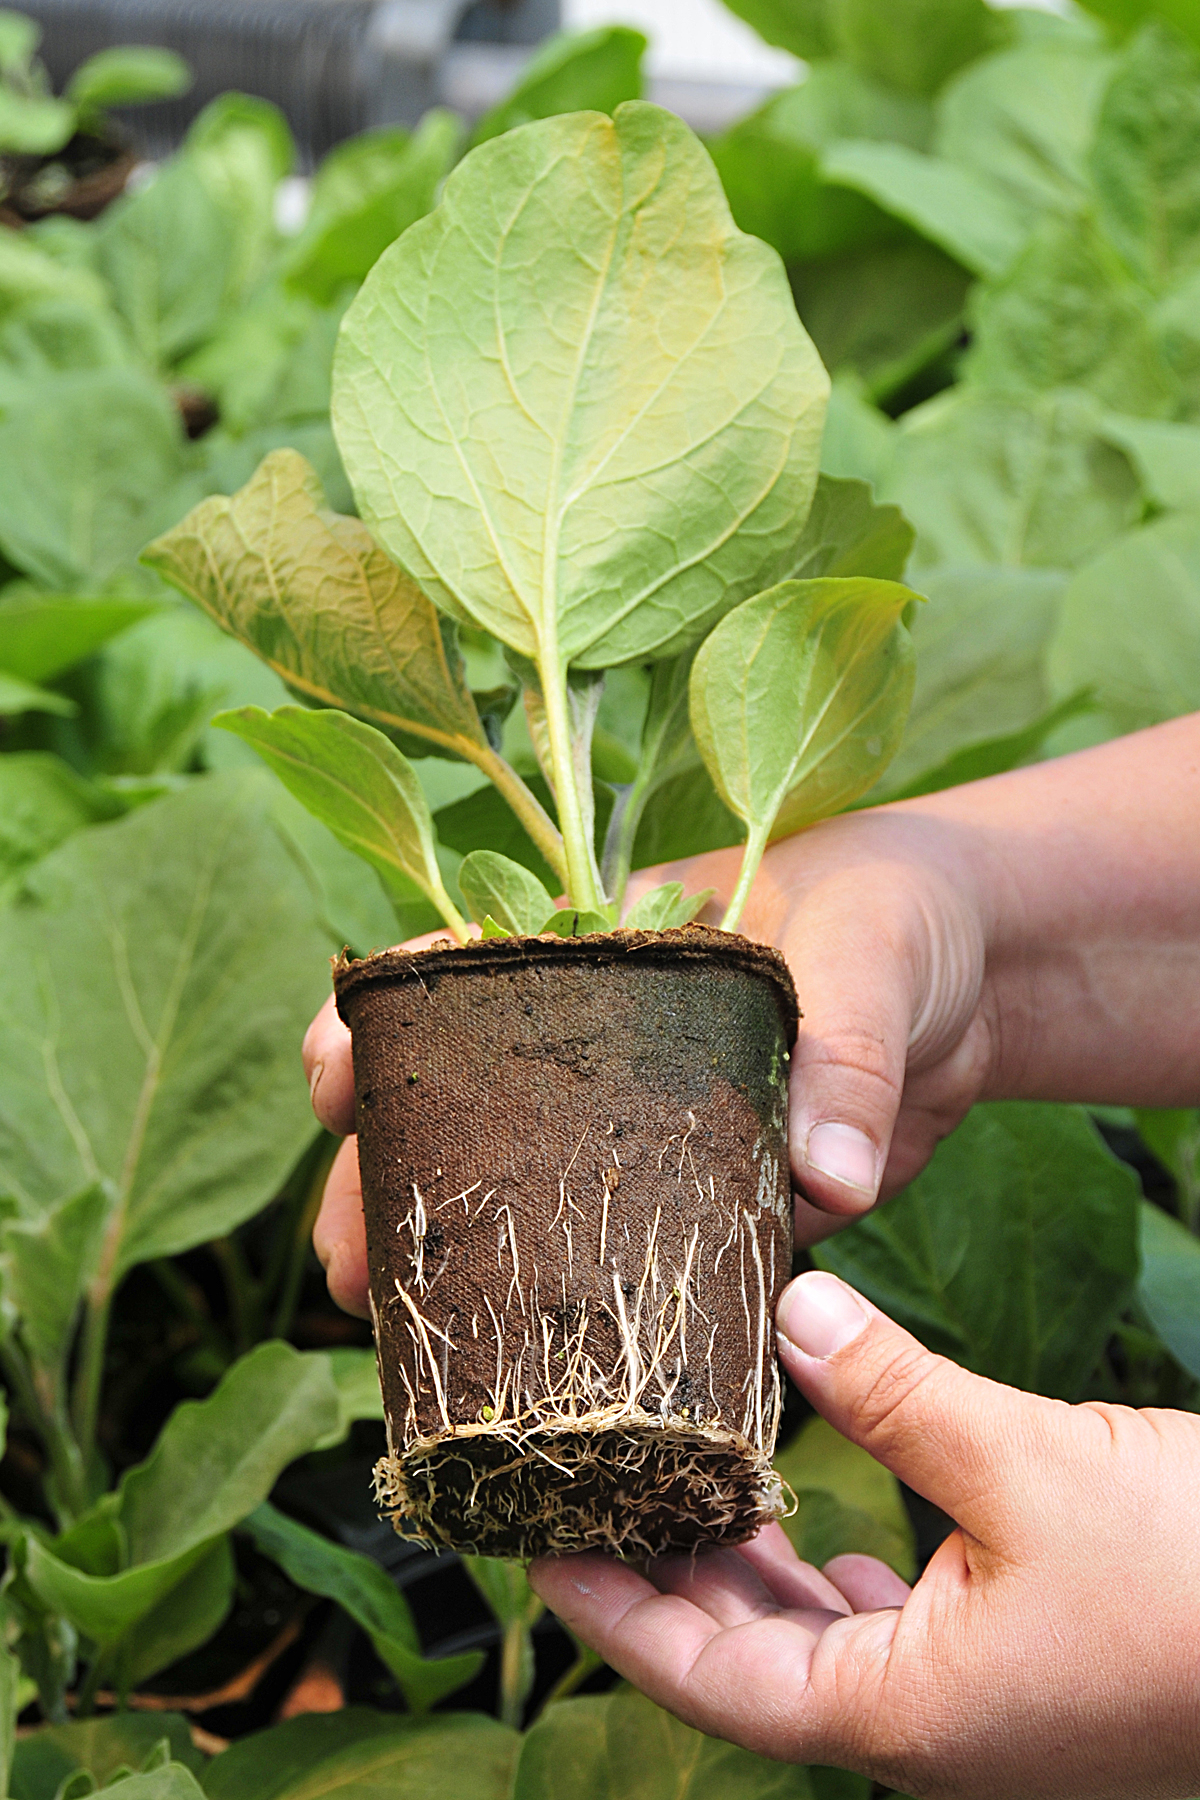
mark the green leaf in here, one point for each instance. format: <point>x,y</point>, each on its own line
<point>45,1758</point>
<point>621,1746</point>
<point>801,26</point>
<point>46,1265</point>
<point>17,696</point>
<point>799,697</point>
<point>1023,121</point>
<point>356,1375</point>
<point>162,1063</point>
<point>913,45</point>
<point>166,252</point>
<point>1014,1252</point>
<point>769,162</point>
<point>572,922</point>
<point>1166,456</point>
<point>309,592</point>
<point>40,635</point>
<point>996,479</point>
<point>517,1609</point>
<point>482,821</point>
<point>573,71</point>
<point>19,39</point>
<point>357,783</point>
<point>348,895</point>
<point>967,215</point>
<point>860,441</point>
<point>884,313</point>
<point>666,908</point>
<point>372,1600</point>
<point>1067,314</point>
<point>1169,1286</point>
<point>86,468</point>
<point>241,147</point>
<point>997,755</point>
<point>1145,160</point>
<point>496,887</point>
<point>34,124</point>
<point>42,801</point>
<point>366,192</point>
<point>28,275</point>
<point>676,349</point>
<point>981,646</point>
<point>171,1782</point>
<point>186,1616</point>
<point>846,533</point>
<point>361,1755</point>
<point>127,75</point>
<point>867,1515</point>
<point>1172,1135</point>
<point>1142,660</point>
<point>683,817</point>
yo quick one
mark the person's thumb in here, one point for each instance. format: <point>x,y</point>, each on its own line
<point>961,1441</point>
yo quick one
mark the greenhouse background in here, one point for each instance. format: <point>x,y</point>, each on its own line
<point>989,240</point>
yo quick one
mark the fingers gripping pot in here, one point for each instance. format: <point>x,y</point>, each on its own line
<point>578,1210</point>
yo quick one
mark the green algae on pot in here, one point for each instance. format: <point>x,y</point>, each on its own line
<point>579,414</point>
<point>575,1178</point>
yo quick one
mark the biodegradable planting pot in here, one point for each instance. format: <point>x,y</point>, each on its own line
<point>578,1205</point>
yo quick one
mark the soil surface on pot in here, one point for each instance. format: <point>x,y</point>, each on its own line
<point>80,180</point>
<point>578,1207</point>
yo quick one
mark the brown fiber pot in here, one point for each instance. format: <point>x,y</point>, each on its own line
<point>575,1176</point>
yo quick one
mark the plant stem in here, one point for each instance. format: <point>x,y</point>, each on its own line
<point>454,919</point>
<point>240,1291</point>
<point>85,1700</point>
<point>586,1661</point>
<point>70,1477</point>
<point>583,877</point>
<point>289,1287</point>
<point>528,809</point>
<point>514,1656</point>
<point>90,1372</point>
<point>752,856</point>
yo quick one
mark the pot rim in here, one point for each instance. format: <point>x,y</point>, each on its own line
<point>683,946</point>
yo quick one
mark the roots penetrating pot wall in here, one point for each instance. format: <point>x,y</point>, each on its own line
<point>578,1209</point>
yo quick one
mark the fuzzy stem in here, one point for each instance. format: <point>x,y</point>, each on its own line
<point>622,832</point>
<point>513,1661</point>
<point>92,1346</point>
<point>454,919</point>
<point>529,811</point>
<point>752,855</point>
<point>583,877</point>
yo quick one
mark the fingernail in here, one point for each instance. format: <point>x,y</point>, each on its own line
<point>819,1314</point>
<point>845,1154</point>
<point>314,1081</point>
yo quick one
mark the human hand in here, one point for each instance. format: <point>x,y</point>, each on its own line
<point>1052,1646</point>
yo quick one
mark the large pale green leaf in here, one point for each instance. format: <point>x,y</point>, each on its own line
<point>799,697</point>
<point>1024,120</point>
<point>769,162</point>
<point>914,45</point>
<point>366,192</point>
<point>573,71</point>
<point>371,1598</point>
<point>100,1746</point>
<point>161,1062</point>
<point>622,1747</point>
<point>981,646</point>
<point>1130,626</point>
<point>966,214</point>
<point>495,887</point>
<point>989,478</point>
<point>42,801</point>
<point>601,489</point>
<point>171,1781</point>
<point>847,1502</point>
<point>41,635</point>
<point>241,147</point>
<point>1068,314</point>
<point>1146,156</point>
<point>185,1617</point>
<point>1169,1285</point>
<point>311,593</point>
<point>166,253</point>
<point>1014,1251</point>
<point>1166,456</point>
<point>359,785</point>
<point>884,313</point>
<point>362,1755</point>
<point>846,533</point>
<point>801,26</point>
<point>86,467</point>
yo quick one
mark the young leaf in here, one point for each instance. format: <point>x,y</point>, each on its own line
<point>166,253</point>
<point>366,192</point>
<point>40,636</point>
<point>46,1265</point>
<point>100,1746</point>
<point>358,784</point>
<point>801,26</point>
<point>665,908</point>
<point>42,801</point>
<point>913,45</point>
<point>171,1782</point>
<point>127,75</point>
<point>17,697</point>
<point>571,923</point>
<point>512,897</point>
<point>798,702</point>
<point>19,39</point>
<point>1146,157</point>
<point>846,533</point>
<point>311,593</point>
<point>372,1600</point>
<point>241,148</point>
<point>1166,455</point>
<point>573,71</point>
<point>1017,1185</point>
<point>968,215</point>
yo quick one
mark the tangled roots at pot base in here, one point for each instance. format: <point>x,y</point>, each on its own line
<point>634,1485</point>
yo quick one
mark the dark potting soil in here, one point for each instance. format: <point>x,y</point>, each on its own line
<point>578,1217</point>
<point>79,180</point>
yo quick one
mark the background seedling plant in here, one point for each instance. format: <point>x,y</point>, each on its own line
<point>603,478</point>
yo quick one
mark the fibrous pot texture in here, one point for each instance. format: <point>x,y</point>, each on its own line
<point>578,1207</point>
